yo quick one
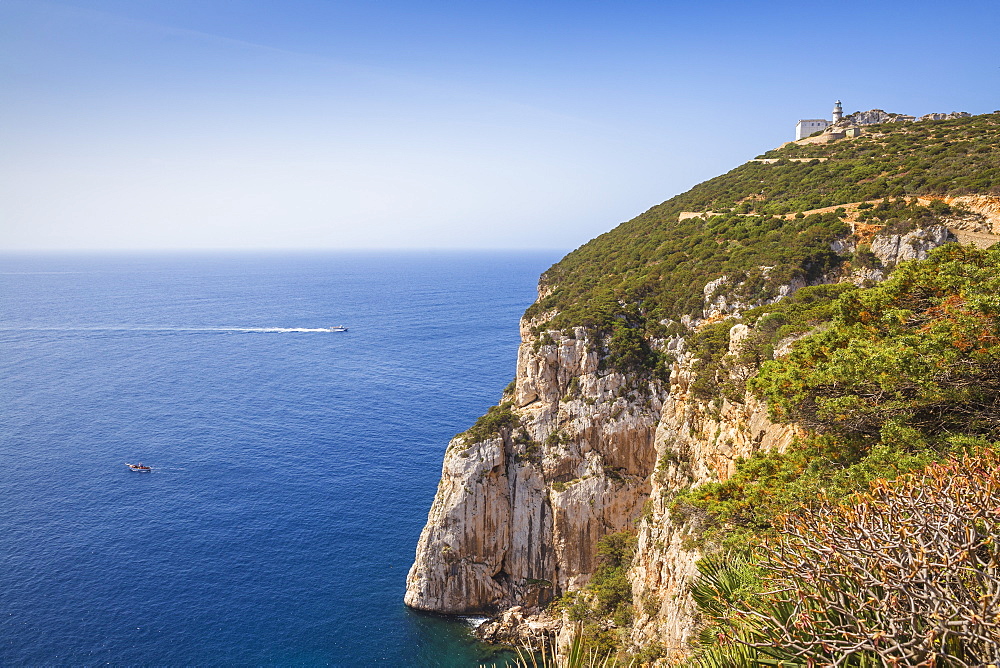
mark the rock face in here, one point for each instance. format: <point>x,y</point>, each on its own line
<point>722,298</point>
<point>891,249</point>
<point>695,443</point>
<point>944,117</point>
<point>517,516</point>
<point>894,248</point>
<point>870,117</point>
<point>515,626</point>
<point>588,451</point>
<point>983,212</point>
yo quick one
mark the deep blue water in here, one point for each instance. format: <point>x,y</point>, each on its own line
<point>293,470</point>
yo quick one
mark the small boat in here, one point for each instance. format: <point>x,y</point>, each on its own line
<point>339,328</point>
<point>142,468</point>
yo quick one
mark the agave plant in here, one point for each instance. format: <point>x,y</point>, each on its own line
<point>905,574</point>
<point>578,656</point>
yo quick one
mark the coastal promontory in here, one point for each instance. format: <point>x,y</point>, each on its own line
<point>772,343</point>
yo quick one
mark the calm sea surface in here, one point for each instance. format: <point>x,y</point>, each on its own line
<point>292,469</point>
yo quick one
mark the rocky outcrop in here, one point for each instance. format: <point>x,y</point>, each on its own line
<point>461,550</point>
<point>723,298</point>
<point>520,628</point>
<point>892,249</point>
<point>870,117</point>
<point>517,515</point>
<point>944,117</point>
<point>695,443</point>
<point>876,116</point>
<point>983,212</point>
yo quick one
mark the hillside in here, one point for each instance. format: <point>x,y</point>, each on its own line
<point>691,382</point>
<point>662,264</point>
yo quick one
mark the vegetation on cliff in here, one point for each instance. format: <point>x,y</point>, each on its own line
<point>605,605</point>
<point>655,266</point>
<point>493,423</point>
<point>884,381</point>
<point>902,374</point>
<point>906,573</point>
<point>891,379</point>
<point>899,377</point>
<point>916,358</point>
<point>662,276</point>
<point>895,388</point>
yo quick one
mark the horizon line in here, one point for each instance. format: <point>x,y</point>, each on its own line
<point>297,250</point>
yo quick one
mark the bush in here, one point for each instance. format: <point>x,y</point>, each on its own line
<point>610,582</point>
<point>628,350</point>
<point>496,420</point>
<point>921,352</point>
<point>605,605</point>
<point>905,574</point>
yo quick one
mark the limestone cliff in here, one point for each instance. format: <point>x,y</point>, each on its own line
<point>695,443</point>
<point>588,451</point>
<point>582,446</point>
<point>517,515</point>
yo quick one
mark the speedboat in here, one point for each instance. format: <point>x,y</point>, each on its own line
<point>339,328</point>
<point>140,467</point>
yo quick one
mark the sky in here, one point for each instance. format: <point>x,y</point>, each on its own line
<point>389,124</point>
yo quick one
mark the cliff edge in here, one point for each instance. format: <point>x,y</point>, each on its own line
<point>634,372</point>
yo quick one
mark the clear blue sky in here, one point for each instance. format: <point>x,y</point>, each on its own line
<point>172,124</point>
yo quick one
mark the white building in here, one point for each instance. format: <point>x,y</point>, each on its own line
<point>808,126</point>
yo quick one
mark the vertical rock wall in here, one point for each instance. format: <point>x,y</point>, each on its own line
<point>695,443</point>
<point>512,527</point>
<point>517,516</point>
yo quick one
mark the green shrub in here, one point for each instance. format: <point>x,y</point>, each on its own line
<point>610,582</point>
<point>920,352</point>
<point>902,574</point>
<point>654,266</point>
<point>903,374</point>
<point>496,420</point>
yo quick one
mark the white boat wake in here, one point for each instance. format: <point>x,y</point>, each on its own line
<point>123,328</point>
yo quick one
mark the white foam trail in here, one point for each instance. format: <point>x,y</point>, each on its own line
<point>281,329</point>
<point>261,330</point>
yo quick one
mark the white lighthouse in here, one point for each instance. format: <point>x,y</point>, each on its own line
<point>808,126</point>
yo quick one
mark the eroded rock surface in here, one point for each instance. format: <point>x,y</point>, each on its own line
<point>514,524</point>
<point>517,516</point>
<point>592,451</point>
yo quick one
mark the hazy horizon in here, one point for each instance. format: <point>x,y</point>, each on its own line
<point>146,125</point>
<point>274,251</point>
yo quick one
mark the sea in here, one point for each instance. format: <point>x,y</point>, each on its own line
<point>292,466</point>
